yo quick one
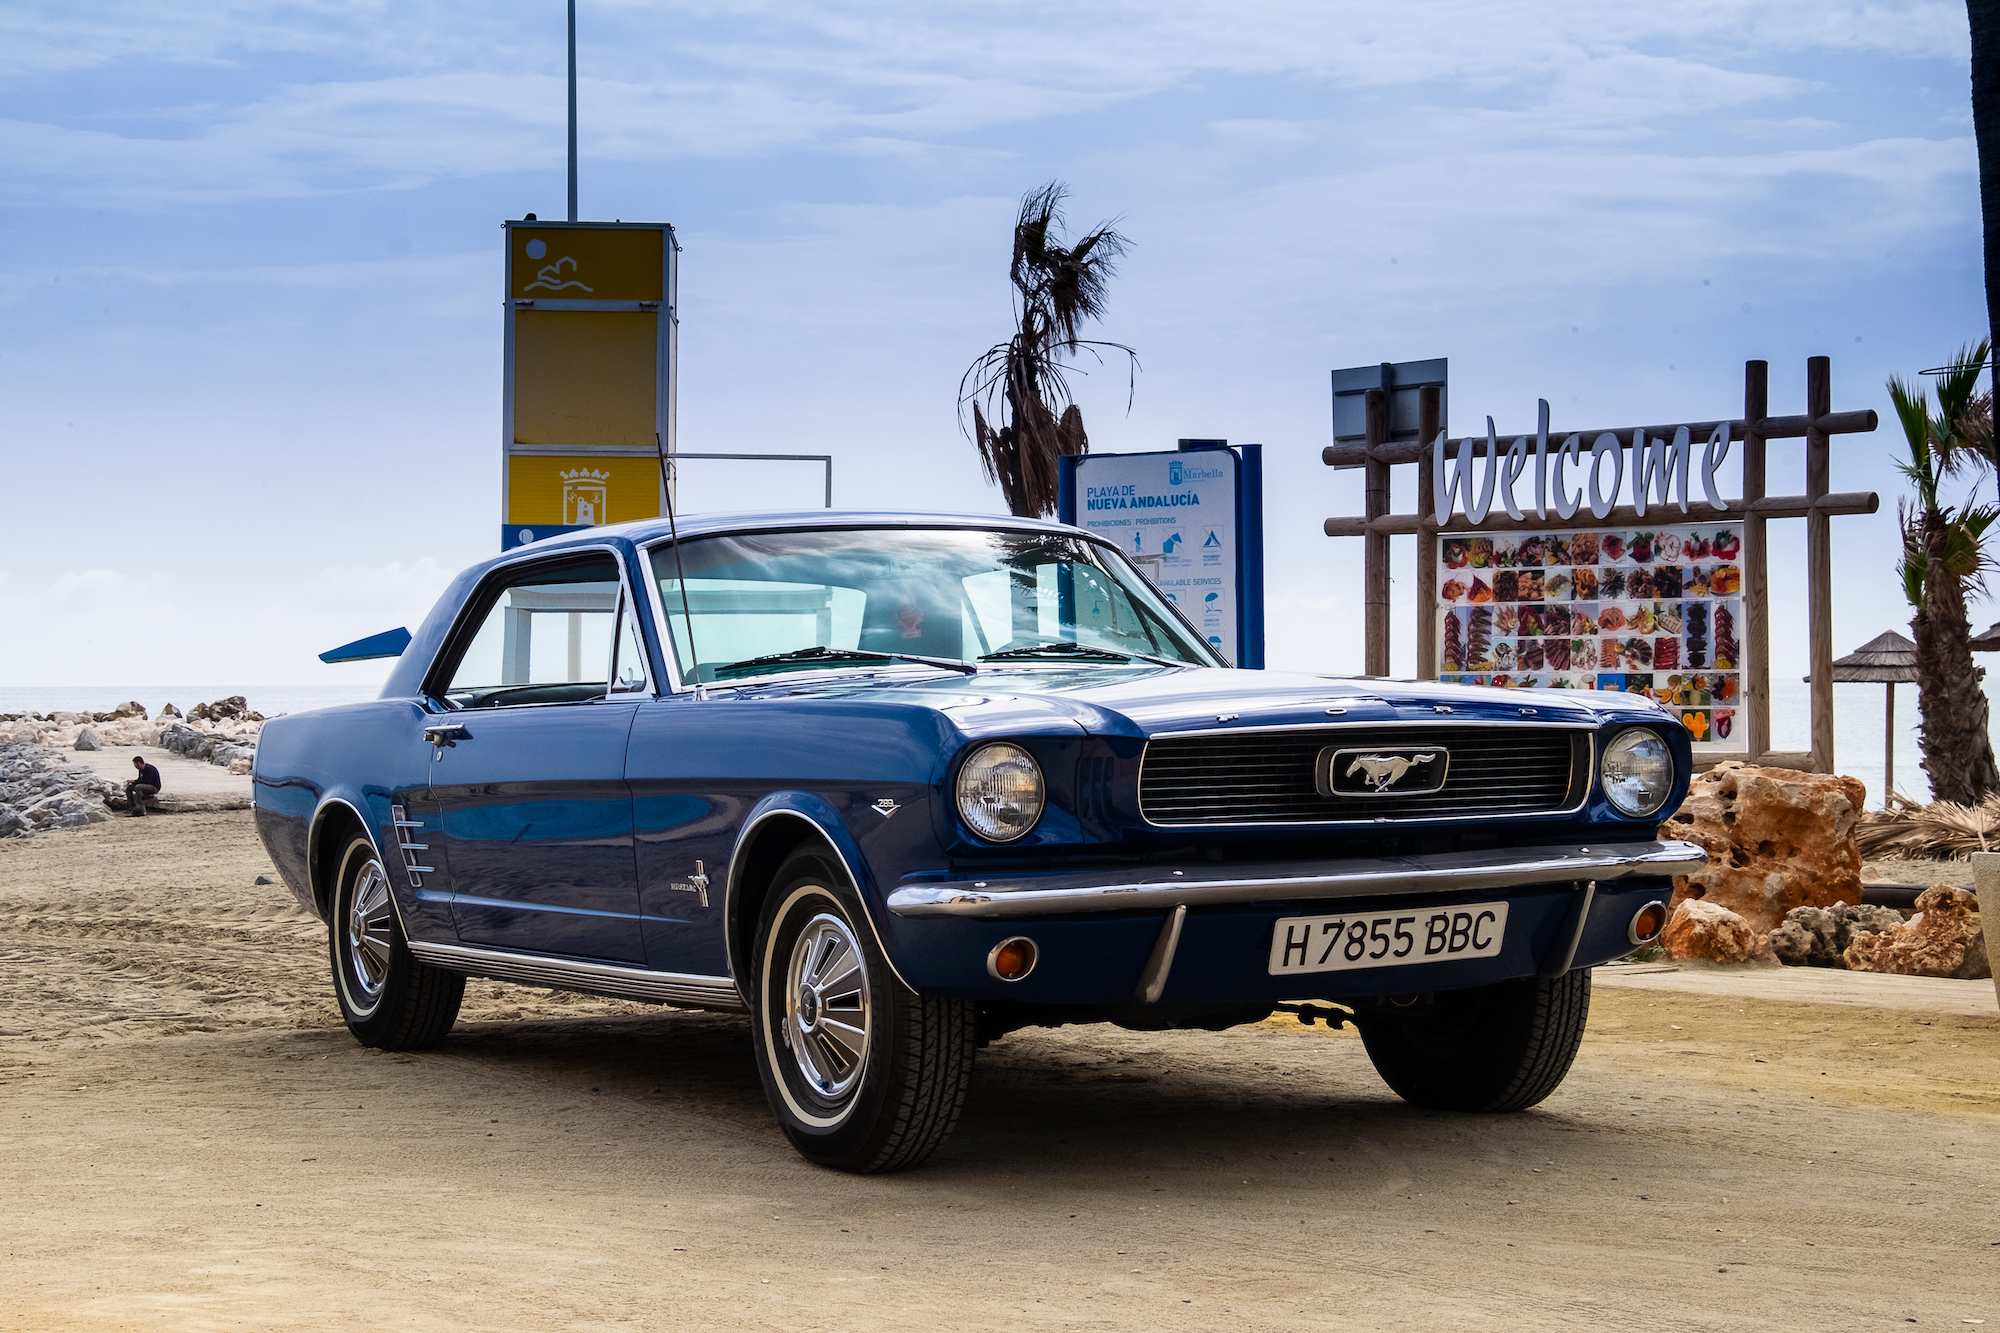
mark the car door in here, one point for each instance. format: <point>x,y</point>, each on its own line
<point>529,776</point>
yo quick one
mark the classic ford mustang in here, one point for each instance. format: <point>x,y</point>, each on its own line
<point>900,784</point>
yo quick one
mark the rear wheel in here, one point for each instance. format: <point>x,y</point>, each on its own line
<point>1503,1047</point>
<point>863,1074</point>
<point>389,997</point>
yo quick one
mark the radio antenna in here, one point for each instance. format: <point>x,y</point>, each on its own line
<point>680,570</point>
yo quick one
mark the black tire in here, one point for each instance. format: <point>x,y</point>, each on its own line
<point>863,1074</point>
<point>390,998</point>
<point>1503,1047</point>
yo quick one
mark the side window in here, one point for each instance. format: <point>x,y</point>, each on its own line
<point>545,636</point>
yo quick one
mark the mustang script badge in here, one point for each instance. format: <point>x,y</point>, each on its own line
<point>1382,770</point>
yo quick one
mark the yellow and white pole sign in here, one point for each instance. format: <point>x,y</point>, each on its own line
<point>590,374</point>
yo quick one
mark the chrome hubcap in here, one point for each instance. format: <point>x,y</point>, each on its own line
<point>827,1007</point>
<point>369,917</point>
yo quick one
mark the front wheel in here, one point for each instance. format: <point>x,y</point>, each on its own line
<point>390,998</point>
<point>1502,1047</point>
<point>863,1075</point>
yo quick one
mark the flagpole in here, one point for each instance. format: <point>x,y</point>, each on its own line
<point>572,110</point>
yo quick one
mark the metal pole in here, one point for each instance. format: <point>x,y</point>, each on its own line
<point>572,110</point>
<point>1889,745</point>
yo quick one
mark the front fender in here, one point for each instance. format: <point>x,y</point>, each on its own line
<point>780,820</point>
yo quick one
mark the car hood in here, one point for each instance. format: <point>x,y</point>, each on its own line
<point>1142,701</point>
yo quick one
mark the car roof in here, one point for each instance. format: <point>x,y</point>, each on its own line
<point>641,531</point>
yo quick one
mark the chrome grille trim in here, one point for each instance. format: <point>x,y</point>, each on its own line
<point>631,983</point>
<point>1263,777</point>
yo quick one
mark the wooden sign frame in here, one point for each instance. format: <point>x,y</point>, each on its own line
<point>1754,509</point>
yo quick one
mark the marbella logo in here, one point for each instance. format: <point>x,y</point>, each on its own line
<point>584,491</point>
<point>1179,471</point>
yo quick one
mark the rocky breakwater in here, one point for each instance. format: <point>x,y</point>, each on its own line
<point>39,790</point>
<point>223,732</point>
<point>1776,840</point>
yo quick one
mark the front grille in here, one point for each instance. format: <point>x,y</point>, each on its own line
<point>1267,777</point>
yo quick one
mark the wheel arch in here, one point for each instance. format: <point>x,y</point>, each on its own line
<point>780,825</point>
<point>336,820</point>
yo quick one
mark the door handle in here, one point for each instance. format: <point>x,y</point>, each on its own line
<point>442,734</point>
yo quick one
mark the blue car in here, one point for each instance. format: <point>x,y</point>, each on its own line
<point>898,785</point>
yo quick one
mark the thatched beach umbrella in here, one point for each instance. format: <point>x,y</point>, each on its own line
<point>1989,642</point>
<point>1888,658</point>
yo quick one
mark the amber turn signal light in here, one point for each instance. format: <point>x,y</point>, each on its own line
<point>1012,959</point>
<point>1648,922</point>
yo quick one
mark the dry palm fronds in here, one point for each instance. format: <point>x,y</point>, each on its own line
<point>1024,382</point>
<point>1942,830</point>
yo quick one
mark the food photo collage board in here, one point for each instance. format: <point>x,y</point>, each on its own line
<point>1653,611</point>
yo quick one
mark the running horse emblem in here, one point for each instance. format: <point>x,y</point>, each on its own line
<point>1386,770</point>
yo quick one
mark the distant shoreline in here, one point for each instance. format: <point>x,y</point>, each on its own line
<point>270,700</point>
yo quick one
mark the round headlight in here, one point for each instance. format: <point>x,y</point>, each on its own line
<point>1638,771</point>
<point>1000,791</point>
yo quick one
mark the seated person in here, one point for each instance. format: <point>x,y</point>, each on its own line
<point>142,788</point>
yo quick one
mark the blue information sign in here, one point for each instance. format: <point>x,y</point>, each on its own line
<point>1193,521</point>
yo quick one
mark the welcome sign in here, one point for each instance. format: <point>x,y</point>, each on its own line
<point>1608,558</point>
<point>1659,467</point>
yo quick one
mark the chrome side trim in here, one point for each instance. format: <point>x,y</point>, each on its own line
<point>1124,890</point>
<point>631,983</point>
<point>410,849</point>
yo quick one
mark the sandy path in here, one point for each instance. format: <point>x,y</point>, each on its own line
<point>186,1144</point>
<point>187,784</point>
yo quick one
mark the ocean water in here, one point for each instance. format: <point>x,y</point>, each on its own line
<point>270,700</point>
<point>1857,716</point>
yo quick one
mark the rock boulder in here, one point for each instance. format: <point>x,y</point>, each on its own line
<point>1944,939</point>
<point>1776,839</point>
<point>86,739</point>
<point>1699,929</point>
<point>1819,936</point>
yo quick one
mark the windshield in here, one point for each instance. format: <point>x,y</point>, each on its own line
<point>835,597</point>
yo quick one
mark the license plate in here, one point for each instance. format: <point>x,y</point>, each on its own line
<point>1357,940</point>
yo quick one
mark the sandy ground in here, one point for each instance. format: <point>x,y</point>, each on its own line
<point>187,1141</point>
<point>1896,870</point>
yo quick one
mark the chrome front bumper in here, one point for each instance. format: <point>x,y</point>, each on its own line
<point>1286,881</point>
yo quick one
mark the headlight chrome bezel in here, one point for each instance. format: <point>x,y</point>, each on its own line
<point>973,796</point>
<point>1631,738</point>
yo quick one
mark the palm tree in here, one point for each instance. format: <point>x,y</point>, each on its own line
<point>1944,556</point>
<point>1057,290</point>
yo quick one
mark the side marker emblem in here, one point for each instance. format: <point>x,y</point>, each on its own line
<point>697,883</point>
<point>885,807</point>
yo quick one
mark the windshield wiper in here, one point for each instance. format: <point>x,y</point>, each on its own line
<point>821,653</point>
<point>1077,652</point>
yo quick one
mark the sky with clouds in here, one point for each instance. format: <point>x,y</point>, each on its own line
<point>250,329</point>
